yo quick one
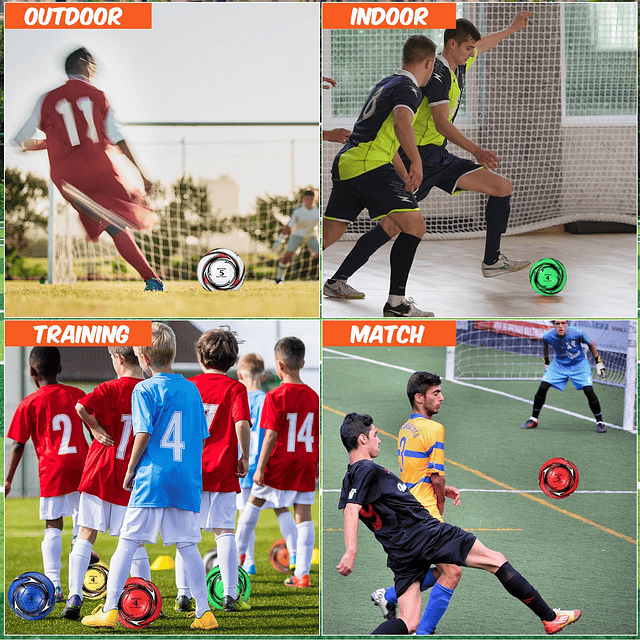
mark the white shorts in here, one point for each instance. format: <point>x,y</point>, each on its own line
<point>218,510</point>
<point>243,497</point>
<point>282,497</point>
<point>100,515</point>
<point>59,506</point>
<point>143,524</point>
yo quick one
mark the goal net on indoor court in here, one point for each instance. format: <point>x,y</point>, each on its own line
<point>512,350</point>
<point>230,186</point>
<point>556,102</point>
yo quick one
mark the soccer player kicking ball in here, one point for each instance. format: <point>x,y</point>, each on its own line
<point>288,465</point>
<point>570,363</point>
<point>79,126</point>
<point>165,476</point>
<point>228,420</point>
<point>412,538</point>
<point>103,499</point>
<point>48,417</point>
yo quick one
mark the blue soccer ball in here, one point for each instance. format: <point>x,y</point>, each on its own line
<point>32,596</point>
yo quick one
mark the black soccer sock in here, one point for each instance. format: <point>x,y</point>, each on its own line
<point>594,403</point>
<point>540,398</point>
<point>402,254</point>
<point>519,587</point>
<point>496,215</point>
<point>391,628</point>
<point>366,246</point>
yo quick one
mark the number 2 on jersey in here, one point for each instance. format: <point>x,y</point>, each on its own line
<point>63,422</point>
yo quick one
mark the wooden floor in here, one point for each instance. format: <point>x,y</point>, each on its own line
<point>446,279</point>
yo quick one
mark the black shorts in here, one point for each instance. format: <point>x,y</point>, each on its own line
<point>440,169</point>
<point>380,190</point>
<point>451,545</point>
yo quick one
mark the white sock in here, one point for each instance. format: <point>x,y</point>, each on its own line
<point>281,268</point>
<point>119,571</point>
<point>306,542</point>
<point>289,532</point>
<point>394,301</point>
<point>79,560</point>
<point>51,554</point>
<point>140,567</point>
<point>246,526</point>
<point>250,559</point>
<point>194,570</point>
<point>181,578</point>
<point>228,563</point>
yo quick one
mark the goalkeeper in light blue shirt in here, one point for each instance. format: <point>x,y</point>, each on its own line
<point>570,363</point>
<point>164,475</point>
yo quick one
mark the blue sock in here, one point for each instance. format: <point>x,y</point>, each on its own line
<point>437,605</point>
<point>429,581</point>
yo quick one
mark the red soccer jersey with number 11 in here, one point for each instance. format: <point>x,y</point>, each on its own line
<point>49,418</point>
<point>292,410</point>
<point>106,467</point>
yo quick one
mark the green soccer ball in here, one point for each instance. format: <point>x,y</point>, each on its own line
<point>548,276</point>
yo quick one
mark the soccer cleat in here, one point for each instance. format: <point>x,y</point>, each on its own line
<point>388,608</point>
<point>206,621</point>
<point>300,583</point>
<point>95,558</point>
<point>530,424</point>
<point>99,619</point>
<point>563,619</point>
<point>406,309</point>
<point>251,569</point>
<point>72,609</point>
<point>231,604</point>
<point>341,289</point>
<point>183,604</point>
<point>601,427</point>
<point>502,266</point>
<point>278,280</point>
<point>153,284</point>
<point>59,594</point>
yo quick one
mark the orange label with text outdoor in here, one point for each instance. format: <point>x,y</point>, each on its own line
<point>79,15</point>
<point>393,15</point>
<point>29,333</point>
<point>389,333</point>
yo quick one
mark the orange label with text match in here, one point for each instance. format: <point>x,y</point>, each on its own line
<point>389,333</point>
<point>78,333</point>
<point>79,15</point>
<point>393,15</point>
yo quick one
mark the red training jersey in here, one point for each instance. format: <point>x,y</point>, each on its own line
<point>225,402</point>
<point>106,467</point>
<point>292,410</point>
<point>49,418</point>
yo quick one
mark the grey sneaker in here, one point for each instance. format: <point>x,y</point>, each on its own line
<point>530,424</point>
<point>601,427</point>
<point>406,309</point>
<point>388,608</point>
<point>341,289</point>
<point>504,265</point>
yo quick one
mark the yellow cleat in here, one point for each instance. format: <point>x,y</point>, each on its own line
<point>99,619</point>
<point>207,621</point>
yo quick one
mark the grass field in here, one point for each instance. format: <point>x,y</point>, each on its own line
<point>580,552</point>
<point>276,609</point>
<point>262,299</point>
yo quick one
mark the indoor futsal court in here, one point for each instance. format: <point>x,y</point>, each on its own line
<point>578,552</point>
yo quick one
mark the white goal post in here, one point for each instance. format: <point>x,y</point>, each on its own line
<point>512,350</point>
<point>565,132</point>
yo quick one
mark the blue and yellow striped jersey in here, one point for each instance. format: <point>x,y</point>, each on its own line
<point>420,454</point>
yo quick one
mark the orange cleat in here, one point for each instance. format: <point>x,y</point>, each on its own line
<point>563,619</point>
<point>301,583</point>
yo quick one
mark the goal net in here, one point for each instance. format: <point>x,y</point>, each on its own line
<point>556,102</point>
<point>512,350</point>
<point>232,186</point>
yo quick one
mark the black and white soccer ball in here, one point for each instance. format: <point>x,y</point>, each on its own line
<point>221,270</point>
<point>32,596</point>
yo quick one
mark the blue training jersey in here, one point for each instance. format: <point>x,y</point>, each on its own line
<point>568,348</point>
<point>169,473</point>
<point>256,401</point>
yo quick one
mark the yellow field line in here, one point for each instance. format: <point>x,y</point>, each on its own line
<point>484,476</point>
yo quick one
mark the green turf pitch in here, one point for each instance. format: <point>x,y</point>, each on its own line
<point>276,609</point>
<point>262,299</point>
<point>579,552</point>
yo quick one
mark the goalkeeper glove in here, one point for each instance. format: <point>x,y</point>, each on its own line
<point>547,362</point>
<point>602,372</point>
